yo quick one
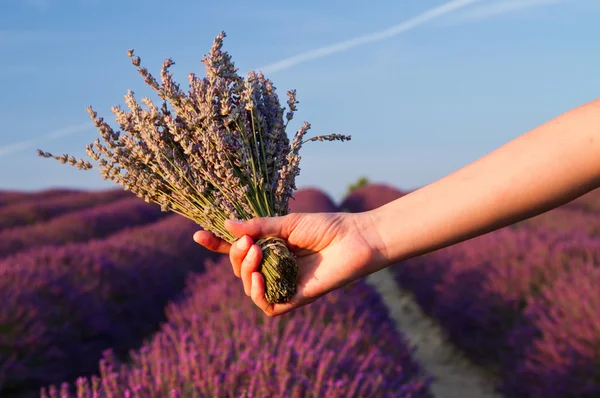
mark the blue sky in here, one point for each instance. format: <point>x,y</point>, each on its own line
<point>420,98</point>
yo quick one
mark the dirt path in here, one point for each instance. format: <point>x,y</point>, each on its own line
<point>455,376</point>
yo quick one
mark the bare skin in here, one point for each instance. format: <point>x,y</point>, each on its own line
<point>536,172</point>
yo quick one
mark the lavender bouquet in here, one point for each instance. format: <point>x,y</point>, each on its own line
<point>218,152</point>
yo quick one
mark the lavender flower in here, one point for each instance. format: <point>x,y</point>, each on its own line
<point>556,346</point>
<point>12,197</point>
<point>79,226</point>
<point>369,197</point>
<point>217,345</point>
<point>218,152</point>
<point>521,300</point>
<point>42,208</point>
<point>63,306</point>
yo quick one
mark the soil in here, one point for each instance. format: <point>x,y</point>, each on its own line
<point>454,375</point>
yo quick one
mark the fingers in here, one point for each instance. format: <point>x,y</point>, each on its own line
<point>257,293</point>
<point>238,252</point>
<point>211,242</point>
<point>250,265</point>
<point>246,263</point>
<point>245,256</point>
<point>260,227</point>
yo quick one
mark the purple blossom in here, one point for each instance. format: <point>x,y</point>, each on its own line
<point>216,343</point>
<point>12,197</point>
<point>520,299</point>
<point>311,200</point>
<point>41,207</point>
<point>556,347</point>
<point>62,306</point>
<point>369,197</point>
<point>79,226</point>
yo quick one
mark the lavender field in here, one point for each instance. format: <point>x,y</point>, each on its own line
<point>105,296</point>
<point>522,301</point>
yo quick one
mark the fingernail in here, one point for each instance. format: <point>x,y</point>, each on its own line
<point>231,223</point>
<point>255,252</point>
<point>244,243</point>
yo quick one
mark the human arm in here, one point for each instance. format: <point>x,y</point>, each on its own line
<point>540,170</point>
<point>536,172</point>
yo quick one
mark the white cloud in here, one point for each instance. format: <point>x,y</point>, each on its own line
<point>20,146</point>
<point>390,32</point>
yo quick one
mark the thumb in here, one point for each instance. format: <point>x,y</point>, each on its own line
<point>261,227</point>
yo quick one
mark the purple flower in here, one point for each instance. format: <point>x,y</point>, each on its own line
<point>216,343</point>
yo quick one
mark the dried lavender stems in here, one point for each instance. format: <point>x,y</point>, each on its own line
<point>219,151</point>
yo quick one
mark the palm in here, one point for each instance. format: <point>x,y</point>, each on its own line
<point>329,250</point>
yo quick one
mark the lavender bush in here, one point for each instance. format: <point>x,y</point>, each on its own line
<point>62,306</point>
<point>590,203</point>
<point>582,215</point>
<point>311,200</point>
<point>486,293</point>
<point>12,197</point>
<point>217,344</point>
<point>575,217</point>
<point>79,226</point>
<point>44,208</point>
<point>478,289</point>
<point>369,197</point>
<point>556,347</point>
<point>220,151</point>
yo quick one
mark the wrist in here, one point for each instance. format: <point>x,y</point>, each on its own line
<point>369,223</point>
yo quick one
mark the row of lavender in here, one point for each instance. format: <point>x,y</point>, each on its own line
<point>10,197</point>
<point>62,306</point>
<point>66,304</point>
<point>53,218</point>
<point>61,222</point>
<point>218,344</point>
<point>80,225</point>
<point>523,300</point>
<point>27,209</point>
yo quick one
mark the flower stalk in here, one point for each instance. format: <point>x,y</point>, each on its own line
<point>218,152</point>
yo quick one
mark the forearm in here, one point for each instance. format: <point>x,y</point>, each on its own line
<point>540,170</point>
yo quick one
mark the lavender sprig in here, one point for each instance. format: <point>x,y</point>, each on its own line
<point>218,152</point>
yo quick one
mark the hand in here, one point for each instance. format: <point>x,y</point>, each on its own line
<point>332,250</point>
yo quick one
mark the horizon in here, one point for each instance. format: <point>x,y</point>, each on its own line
<point>431,85</point>
<point>117,187</point>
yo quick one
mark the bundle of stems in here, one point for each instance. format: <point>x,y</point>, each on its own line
<point>219,151</point>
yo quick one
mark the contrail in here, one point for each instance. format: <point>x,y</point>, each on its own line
<point>395,30</point>
<point>287,63</point>
<point>500,8</point>
<point>9,149</point>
